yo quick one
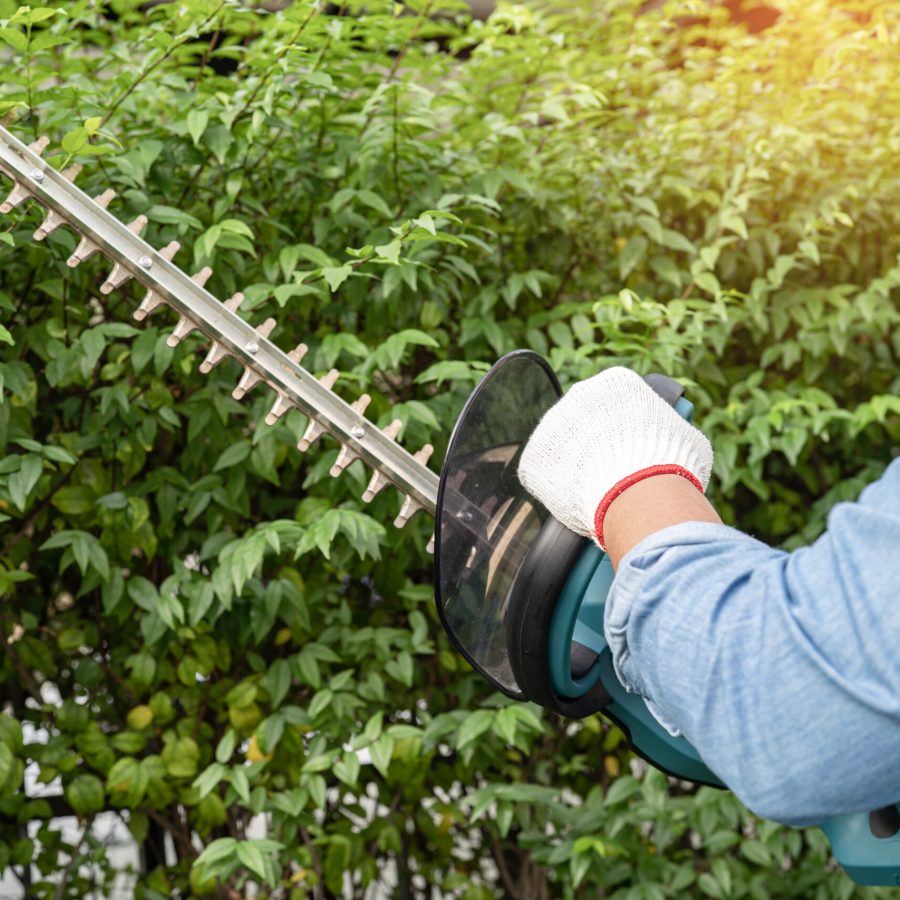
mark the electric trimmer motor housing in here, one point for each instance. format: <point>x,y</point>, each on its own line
<point>522,597</point>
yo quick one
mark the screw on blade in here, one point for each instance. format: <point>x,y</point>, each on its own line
<point>379,482</point>
<point>250,378</point>
<point>217,352</point>
<point>152,300</point>
<point>87,248</point>
<point>54,220</point>
<point>185,325</point>
<point>120,273</point>
<point>410,505</point>
<point>314,430</point>
<point>348,454</point>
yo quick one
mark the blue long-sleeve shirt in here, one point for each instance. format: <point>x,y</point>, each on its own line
<point>782,669</point>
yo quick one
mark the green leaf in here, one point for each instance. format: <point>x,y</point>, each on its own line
<point>277,681</point>
<point>15,38</point>
<point>219,850</point>
<point>241,784</point>
<point>473,726</point>
<point>336,276</point>
<point>622,789</point>
<point>127,782</point>
<point>427,222</point>
<point>169,215</point>
<point>143,592</point>
<point>22,482</point>
<point>226,745</point>
<point>197,120</point>
<point>757,852</point>
<point>233,455</point>
<point>374,201</point>
<point>180,757</point>
<point>390,252</point>
<point>381,752</point>
<point>252,857</point>
<point>632,255</point>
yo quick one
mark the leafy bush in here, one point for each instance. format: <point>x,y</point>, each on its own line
<point>205,627</point>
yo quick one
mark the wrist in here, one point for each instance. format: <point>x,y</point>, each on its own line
<point>631,480</point>
<point>649,505</point>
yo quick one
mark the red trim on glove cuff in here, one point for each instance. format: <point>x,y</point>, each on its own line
<point>623,485</point>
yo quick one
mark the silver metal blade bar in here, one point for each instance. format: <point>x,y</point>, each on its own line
<point>217,322</point>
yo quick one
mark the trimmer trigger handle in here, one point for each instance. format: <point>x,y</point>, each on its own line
<point>667,388</point>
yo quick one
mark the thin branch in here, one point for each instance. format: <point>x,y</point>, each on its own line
<point>67,872</point>
<point>175,45</point>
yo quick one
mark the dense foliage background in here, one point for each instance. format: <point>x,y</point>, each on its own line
<point>200,627</point>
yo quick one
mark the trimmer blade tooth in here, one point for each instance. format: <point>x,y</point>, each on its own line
<point>393,429</point>
<point>424,454</point>
<point>313,432</point>
<point>329,379</point>
<point>362,404</point>
<point>248,381</point>
<point>216,354</point>
<point>266,328</point>
<point>17,196</point>
<point>40,145</point>
<point>152,300</point>
<point>234,302</point>
<point>87,248</point>
<point>410,505</point>
<point>296,355</point>
<point>345,457</point>
<point>376,485</point>
<point>201,277</point>
<point>379,481</point>
<point>430,547</point>
<point>348,454</point>
<point>407,511</point>
<point>184,327</point>
<point>120,274</point>
<point>279,408</point>
<point>52,221</point>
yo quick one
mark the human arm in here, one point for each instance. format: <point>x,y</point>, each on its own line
<point>778,667</point>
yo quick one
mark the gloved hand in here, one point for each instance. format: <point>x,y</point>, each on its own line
<point>606,434</point>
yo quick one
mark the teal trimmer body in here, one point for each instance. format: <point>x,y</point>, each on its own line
<point>523,598</point>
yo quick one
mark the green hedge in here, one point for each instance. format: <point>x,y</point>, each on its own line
<point>231,632</point>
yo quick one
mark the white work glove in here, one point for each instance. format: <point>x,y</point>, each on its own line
<point>604,435</point>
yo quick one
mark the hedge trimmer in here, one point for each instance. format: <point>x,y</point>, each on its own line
<point>520,596</point>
